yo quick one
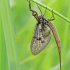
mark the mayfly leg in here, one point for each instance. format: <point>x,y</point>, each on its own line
<point>34,13</point>
<point>29,5</point>
<point>52,18</point>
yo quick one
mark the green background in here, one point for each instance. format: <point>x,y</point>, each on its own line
<point>16,31</point>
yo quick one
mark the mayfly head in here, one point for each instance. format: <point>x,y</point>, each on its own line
<point>41,19</point>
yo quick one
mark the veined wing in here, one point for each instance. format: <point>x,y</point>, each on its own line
<point>41,38</point>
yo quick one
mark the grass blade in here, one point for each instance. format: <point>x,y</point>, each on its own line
<point>10,41</point>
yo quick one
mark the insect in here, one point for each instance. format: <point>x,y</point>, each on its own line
<point>42,34</point>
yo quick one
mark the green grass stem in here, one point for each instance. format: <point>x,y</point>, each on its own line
<point>55,12</point>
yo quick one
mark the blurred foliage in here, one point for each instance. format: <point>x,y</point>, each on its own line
<point>23,23</point>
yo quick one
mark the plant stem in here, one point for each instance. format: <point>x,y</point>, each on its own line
<point>55,12</point>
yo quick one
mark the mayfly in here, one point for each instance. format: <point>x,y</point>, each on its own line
<point>42,34</point>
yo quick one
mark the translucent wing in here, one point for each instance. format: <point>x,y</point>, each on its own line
<point>40,39</point>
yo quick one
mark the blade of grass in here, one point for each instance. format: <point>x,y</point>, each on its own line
<point>1,68</point>
<point>55,12</point>
<point>10,40</point>
<point>3,54</point>
<point>3,57</point>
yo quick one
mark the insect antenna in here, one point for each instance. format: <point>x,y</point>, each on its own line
<point>44,12</point>
<point>40,10</point>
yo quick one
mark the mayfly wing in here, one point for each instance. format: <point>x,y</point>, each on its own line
<point>40,38</point>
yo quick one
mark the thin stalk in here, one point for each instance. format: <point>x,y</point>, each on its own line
<point>55,12</point>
